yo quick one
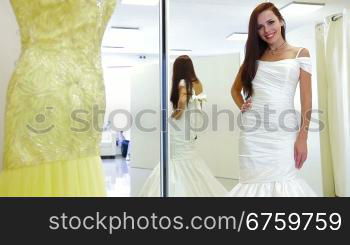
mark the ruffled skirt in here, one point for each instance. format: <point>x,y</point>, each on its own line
<point>188,178</point>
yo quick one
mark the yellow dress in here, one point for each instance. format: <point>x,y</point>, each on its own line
<point>56,101</point>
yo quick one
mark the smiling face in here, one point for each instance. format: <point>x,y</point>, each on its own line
<point>269,27</point>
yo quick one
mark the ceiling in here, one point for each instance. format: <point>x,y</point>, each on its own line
<point>198,25</point>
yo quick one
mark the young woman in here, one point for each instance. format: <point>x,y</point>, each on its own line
<point>188,174</point>
<point>272,144</point>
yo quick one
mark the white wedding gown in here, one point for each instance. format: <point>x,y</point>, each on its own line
<point>188,174</point>
<point>266,144</point>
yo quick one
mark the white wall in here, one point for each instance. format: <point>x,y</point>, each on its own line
<point>9,50</point>
<point>117,86</point>
<point>219,147</point>
<point>312,169</point>
<point>145,94</point>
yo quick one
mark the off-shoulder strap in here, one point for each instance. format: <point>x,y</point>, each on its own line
<point>305,64</point>
<point>299,52</point>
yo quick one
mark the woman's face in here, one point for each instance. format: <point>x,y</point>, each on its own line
<point>269,27</point>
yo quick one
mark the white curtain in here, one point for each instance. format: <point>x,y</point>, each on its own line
<point>333,67</point>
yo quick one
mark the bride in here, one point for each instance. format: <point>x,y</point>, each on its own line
<point>272,147</point>
<point>188,174</point>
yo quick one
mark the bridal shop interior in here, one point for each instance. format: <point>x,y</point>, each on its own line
<point>213,34</point>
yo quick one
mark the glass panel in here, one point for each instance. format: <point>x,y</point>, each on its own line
<point>131,69</point>
<point>212,151</point>
<point>203,137</point>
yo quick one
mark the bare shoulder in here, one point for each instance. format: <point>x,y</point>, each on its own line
<point>304,53</point>
<point>301,52</point>
<point>197,83</point>
<point>198,87</point>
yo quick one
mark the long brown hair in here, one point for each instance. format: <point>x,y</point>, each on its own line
<point>182,69</point>
<point>255,46</point>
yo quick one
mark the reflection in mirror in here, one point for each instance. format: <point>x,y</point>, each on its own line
<point>130,142</point>
<point>260,163</point>
<point>188,174</point>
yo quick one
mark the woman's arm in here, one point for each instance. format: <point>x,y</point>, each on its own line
<point>181,103</point>
<point>306,107</point>
<point>236,93</point>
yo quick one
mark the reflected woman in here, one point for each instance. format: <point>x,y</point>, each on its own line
<point>272,147</point>
<point>188,174</point>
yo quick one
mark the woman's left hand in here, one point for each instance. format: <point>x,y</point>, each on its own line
<point>300,152</point>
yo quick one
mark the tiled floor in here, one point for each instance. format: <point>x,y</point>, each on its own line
<point>117,176</point>
<point>125,181</point>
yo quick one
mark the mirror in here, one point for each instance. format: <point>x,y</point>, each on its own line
<point>131,69</point>
<point>259,163</point>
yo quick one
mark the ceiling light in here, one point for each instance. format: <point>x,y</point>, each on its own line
<point>141,2</point>
<point>180,51</point>
<point>237,36</point>
<point>113,47</point>
<point>300,8</point>
<point>123,37</point>
<point>125,28</point>
<point>119,66</point>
